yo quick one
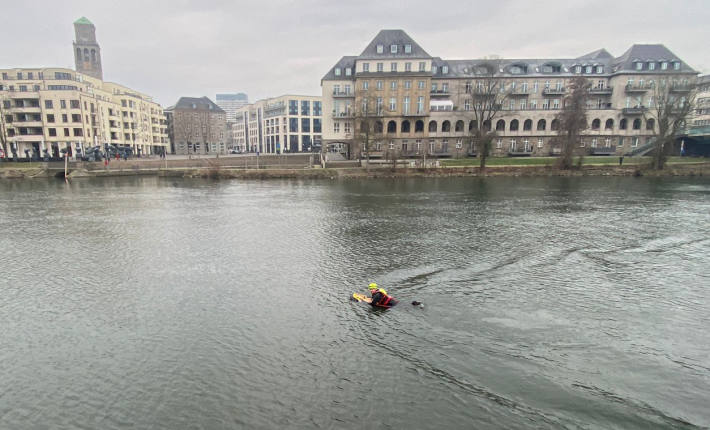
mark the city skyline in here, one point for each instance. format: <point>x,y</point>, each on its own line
<point>200,49</point>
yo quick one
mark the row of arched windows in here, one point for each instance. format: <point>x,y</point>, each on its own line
<point>86,54</point>
<point>514,125</point>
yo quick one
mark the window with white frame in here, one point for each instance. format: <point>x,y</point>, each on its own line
<point>600,69</point>
<point>607,142</point>
<point>420,104</point>
<point>634,141</point>
<point>577,69</point>
<point>676,65</point>
<point>393,66</point>
<point>421,85</point>
<point>539,143</point>
<point>380,49</point>
<point>405,105</point>
<point>348,71</point>
<point>459,143</point>
<point>434,86</point>
<point>393,49</point>
<point>407,48</point>
<point>347,127</point>
<point>380,67</point>
<point>588,69</point>
<point>664,65</point>
<point>639,65</point>
<point>391,145</point>
<point>365,85</point>
<point>393,85</point>
<point>556,104</point>
<point>407,85</point>
<point>433,70</point>
<point>523,104</point>
<point>422,66</point>
<point>652,66</point>
<point>366,67</point>
<point>407,67</point>
<point>337,71</point>
<point>336,127</point>
<point>467,105</point>
<point>594,142</point>
<point>380,85</point>
<point>393,104</point>
<point>499,143</point>
<point>444,69</point>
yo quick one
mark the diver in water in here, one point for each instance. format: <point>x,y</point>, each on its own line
<point>380,298</point>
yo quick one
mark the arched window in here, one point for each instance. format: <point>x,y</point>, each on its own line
<point>622,124</point>
<point>419,126</point>
<point>487,125</point>
<point>459,126</point>
<point>596,124</point>
<point>609,124</point>
<point>541,125</point>
<point>514,125</point>
<point>391,127</point>
<point>555,124</point>
<point>93,55</point>
<point>637,124</point>
<point>405,126</point>
<point>472,125</point>
<point>527,125</point>
<point>445,126</point>
<point>650,124</point>
<point>378,126</point>
<point>86,54</point>
<point>432,126</point>
<point>500,125</point>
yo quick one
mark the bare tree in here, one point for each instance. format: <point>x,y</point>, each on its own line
<point>182,128</point>
<point>573,119</point>
<point>368,125</point>
<point>3,131</point>
<point>488,94</point>
<point>670,108</point>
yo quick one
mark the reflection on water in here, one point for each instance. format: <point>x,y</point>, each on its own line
<point>549,303</point>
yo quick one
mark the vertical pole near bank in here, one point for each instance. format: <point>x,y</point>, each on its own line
<point>66,166</point>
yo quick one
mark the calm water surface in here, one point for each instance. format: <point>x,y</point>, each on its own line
<point>171,304</point>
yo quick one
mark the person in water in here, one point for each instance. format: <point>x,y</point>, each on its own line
<point>380,299</point>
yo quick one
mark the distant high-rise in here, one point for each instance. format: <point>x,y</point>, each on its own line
<point>231,102</point>
<point>87,53</point>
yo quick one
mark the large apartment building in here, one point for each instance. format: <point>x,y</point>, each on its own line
<point>425,103</point>
<point>288,123</point>
<point>230,103</point>
<point>46,110</point>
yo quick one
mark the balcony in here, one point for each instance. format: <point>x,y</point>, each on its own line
<point>343,94</point>
<point>553,91</point>
<point>348,114</point>
<point>603,150</point>
<point>681,88</point>
<point>638,110</point>
<point>519,92</point>
<point>631,88</point>
<point>439,93</point>
<point>607,91</point>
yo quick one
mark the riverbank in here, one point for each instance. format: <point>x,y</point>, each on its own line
<point>45,170</point>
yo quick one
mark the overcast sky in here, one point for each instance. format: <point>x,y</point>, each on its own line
<point>267,48</point>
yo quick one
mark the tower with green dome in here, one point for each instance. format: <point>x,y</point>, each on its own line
<point>87,53</point>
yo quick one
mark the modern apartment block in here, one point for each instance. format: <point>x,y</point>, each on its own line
<point>424,103</point>
<point>45,110</point>
<point>284,124</point>
<point>230,103</point>
<point>50,109</point>
<point>199,126</point>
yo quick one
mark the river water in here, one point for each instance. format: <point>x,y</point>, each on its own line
<point>175,304</point>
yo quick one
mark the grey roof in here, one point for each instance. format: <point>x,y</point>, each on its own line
<point>387,38</point>
<point>467,68</point>
<point>703,79</point>
<point>345,62</point>
<point>201,103</point>
<point>599,54</point>
<point>648,53</point>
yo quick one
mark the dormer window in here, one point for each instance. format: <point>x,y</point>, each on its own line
<point>380,49</point>
<point>600,69</point>
<point>577,69</point>
<point>393,49</point>
<point>588,69</point>
<point>639,65</point>
<point>664,65</point>
<point>444,69</point>
<point>337,71</point>
<point>676,65</point>
<point>651,66</point>
<point>516,70</point>
<point>407,49</point>
<point>433,70</point>
<point>348,71</point>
